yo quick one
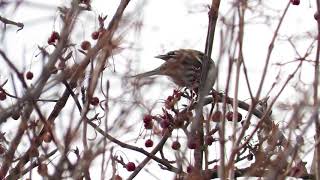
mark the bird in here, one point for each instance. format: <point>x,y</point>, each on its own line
<point>184,67</point>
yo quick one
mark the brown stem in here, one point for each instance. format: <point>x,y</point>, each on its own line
<point>315,100</point>
<point>204,88</point>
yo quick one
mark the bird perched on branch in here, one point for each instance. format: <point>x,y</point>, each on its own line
<point>184,67</point>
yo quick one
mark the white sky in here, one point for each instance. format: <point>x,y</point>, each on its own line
<point>169,25</point>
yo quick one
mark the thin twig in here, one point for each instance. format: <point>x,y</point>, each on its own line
<point>7,21</point>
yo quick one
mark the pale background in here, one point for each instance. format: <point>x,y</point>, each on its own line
<point>169,25</point>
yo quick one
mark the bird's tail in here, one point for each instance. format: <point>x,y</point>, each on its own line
<point>147,74</point>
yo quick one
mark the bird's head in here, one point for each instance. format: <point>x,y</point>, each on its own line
<point>181,53</point>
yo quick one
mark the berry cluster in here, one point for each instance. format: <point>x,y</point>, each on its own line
<point>86,45</point>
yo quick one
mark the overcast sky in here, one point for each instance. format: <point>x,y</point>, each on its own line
<point>169,25</point>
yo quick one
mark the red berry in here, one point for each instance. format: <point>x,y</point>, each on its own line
<point>29,75</point>
<point>130,166</point>
<point>295,2</point>
<point>95,35</point>
<point>239,117</point>
<point>53,37</point>
<point>209,140</point>
<point>3,96</point>
<point>148,143</point>
<point>147,118</point>
<point>51,41</point>
<point>229,116</point>
<point>216,117</point>
<point>175,145</point>
<point>94,101</point>
<point>85,45</point>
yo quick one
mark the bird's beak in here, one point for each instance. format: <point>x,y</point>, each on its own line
<point>161,57</point>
